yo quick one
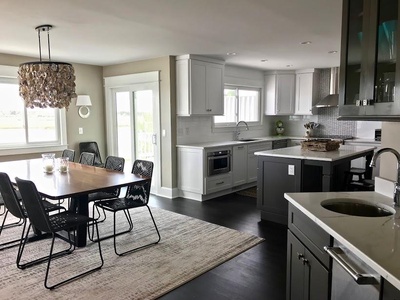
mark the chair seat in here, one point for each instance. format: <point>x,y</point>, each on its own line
<point>100,196</point>
<point>65,220</point>
<point>120,204</point>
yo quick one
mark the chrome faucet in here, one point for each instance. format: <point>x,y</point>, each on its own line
<point>396,192</point>
<point>237,130</point>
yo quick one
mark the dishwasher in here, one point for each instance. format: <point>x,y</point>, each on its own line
<point>351,277</point>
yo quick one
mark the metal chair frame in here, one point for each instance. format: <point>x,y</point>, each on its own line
<point>13,205</point>
<point>64,221</point>
<point>137,195</point>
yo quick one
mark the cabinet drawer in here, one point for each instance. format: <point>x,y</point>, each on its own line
<point>218,183</point>
<point>310,234</point>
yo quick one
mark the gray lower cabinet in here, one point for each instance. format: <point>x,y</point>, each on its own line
<point>276,176</point>
<point>308,265</point>
<point>389,292</point>
<point>307,278</point>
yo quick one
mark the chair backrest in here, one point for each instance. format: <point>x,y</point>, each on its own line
<point>91,147</point>
<point>10,198</point>
<point>33,204</point>
<point>69,153</point>
<point>86,158</point>
<point>141,192</point>
<point>117,164</point>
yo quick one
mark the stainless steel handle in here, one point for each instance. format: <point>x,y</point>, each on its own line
<point>334,252</point>
<point>218,157</point>
<point>219,183</point>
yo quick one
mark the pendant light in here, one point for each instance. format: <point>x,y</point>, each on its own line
<point>46,83</point>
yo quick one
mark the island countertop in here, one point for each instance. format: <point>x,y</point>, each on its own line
<point>376,241</point>
<point>296,152</point>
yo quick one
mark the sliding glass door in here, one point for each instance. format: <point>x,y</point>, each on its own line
<point>133,125</point>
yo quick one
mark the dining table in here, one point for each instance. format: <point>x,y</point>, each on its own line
<point>76,183</point>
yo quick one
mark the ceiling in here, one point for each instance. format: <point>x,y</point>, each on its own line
<point>104,32</point>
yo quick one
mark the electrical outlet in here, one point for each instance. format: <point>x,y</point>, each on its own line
<point>291,169</point>
<point>187,131</point>
<point>80,130</point>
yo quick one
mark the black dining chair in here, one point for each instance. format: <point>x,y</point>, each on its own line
<point>69,153</point>
<point>92,147</point>
<point>64,221</point>
<point>86,158</point>
<point>137,195</point>
<point>114,163</point>
<point>13,205</point>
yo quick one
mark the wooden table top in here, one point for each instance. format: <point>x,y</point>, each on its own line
<point>80,179</point>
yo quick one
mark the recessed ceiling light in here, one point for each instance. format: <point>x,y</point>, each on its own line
<point>264,60</point>
<point>332,52</point>
<point>306,43</point>
<point>231,53</point>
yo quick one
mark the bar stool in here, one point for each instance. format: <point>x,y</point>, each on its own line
<point>359,183</point>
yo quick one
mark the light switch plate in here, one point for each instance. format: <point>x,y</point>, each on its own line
<point>291,169</point>
<point>80,130</point>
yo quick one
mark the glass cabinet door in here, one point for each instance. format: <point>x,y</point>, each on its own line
<point>368,63</point>
<point>386,51</point>
<point>355,37</point>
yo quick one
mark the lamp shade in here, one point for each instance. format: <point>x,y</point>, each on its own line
<point>83,100</point>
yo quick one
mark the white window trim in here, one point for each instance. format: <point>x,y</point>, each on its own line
<point>9,74</point>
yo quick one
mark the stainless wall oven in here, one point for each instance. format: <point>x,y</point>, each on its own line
<point>219,162</point>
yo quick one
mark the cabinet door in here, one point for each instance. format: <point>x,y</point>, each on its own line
<point>304,94</point>
<point>239,165</point>
<point>215,89</point>
<point>369,72</point>
<point>316,278</point>
<point>307,278</point>
<point>198,87</point>
<point>295,280</point>
<point>285,94</point>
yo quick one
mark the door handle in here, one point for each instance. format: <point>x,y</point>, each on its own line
<point>154,139</point>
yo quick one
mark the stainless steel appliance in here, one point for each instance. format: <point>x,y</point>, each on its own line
<point>351,277</point>
<point>219,162</point>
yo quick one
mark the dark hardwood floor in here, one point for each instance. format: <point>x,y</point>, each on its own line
<point>259,273</point>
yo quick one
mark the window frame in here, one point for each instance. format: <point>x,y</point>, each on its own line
<point>9,74</point>
<point>254,125</point>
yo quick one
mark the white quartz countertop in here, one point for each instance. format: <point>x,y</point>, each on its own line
<point>298,153</point>
<point>213,144</point>
<point>376,241</point>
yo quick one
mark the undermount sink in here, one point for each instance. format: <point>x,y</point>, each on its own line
<point>357,207</point>
<point>247,140</point>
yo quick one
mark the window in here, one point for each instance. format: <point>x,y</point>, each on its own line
<point>240,104</point>
<point>22,127</point>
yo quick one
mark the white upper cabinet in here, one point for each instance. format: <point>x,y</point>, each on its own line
<point>306,91</point>
<point>199,86</point>
<point>279,93</point>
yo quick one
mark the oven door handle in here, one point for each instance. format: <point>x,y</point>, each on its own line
<point>218,157</point>
<point>361,279</point>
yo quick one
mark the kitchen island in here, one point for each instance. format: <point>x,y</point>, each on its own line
<point>373,241</point>
<point>296,170</point>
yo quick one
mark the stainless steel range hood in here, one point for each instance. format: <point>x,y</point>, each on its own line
<point>332,100</point>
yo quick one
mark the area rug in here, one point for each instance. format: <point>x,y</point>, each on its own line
<point>188,248</point>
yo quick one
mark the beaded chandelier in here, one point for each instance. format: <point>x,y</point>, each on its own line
<point>46,83</point>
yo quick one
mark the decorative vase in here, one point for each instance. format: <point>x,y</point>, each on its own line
<point>280,130</point>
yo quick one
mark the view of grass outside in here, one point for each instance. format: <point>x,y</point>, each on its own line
<point>142,120</point>
<point>38,126</point>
